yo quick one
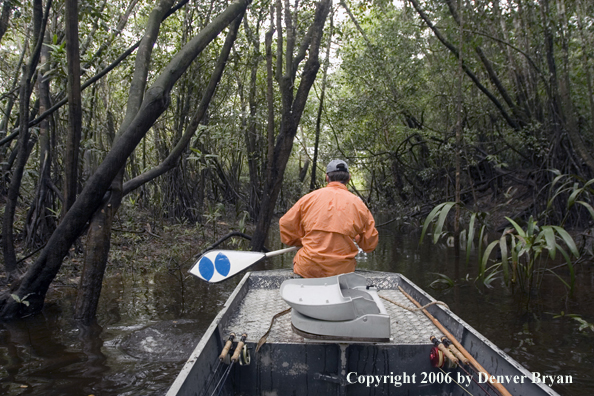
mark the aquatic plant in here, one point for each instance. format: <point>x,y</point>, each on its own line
<point>524,259</point>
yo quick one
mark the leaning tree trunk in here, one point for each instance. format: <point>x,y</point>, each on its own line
<point>100,230</point>
<point>291,114</point>
<point>38,278</point>
<point>99,234</point>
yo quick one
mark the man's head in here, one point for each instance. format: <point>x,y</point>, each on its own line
<point>338,170</point>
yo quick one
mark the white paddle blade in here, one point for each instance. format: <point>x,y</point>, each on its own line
<point>218,265</point>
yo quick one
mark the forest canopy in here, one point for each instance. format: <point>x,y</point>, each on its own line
<point>179,107</point>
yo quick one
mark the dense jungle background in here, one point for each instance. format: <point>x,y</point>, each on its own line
<point>472,121</point>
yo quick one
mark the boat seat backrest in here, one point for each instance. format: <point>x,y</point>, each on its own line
<point>363,302</point>
<point>351,280</point>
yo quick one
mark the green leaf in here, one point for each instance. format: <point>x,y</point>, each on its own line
<point>587,206</point>
<point>568,240</point>
<point>490,278</point>
<point>504,263</point>
<point>442,218</point>
<point>443,279</point>
<point>485,258</point>
<point>514,252</point>
<point>480,245</point>
<point>558,277</point>
<point>530,227</point>
<point>429,219</point>
<point>570,267</point>
<point>549,235</point>
<point>519,229</point>
<point>558,192</point>
<point>470,237</point>
<point>574,194</point>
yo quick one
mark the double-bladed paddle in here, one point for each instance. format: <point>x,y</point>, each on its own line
<point>218,265</point>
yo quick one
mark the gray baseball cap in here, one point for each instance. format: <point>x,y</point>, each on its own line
<point>336,166</point>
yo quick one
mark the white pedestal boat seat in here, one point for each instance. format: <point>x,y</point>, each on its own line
<point>339,307</point>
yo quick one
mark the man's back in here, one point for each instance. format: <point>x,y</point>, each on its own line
<point>326,222</point>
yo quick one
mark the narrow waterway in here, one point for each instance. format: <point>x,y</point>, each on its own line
<point>150,322</point>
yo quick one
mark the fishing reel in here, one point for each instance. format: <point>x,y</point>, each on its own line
<point>244,357</point>
<point>440,356</point>
<point>437,358</point>
<point>241,353</point>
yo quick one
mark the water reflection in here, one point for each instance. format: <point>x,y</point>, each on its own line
<point>150,321</point>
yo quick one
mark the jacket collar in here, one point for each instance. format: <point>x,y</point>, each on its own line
<point>337,185</point>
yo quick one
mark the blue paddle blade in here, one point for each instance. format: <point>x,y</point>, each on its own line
<point>222,264</point>
<point>206,268</point>
<point>218,265</point>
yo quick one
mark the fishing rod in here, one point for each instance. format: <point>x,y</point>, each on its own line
<point>497,385</point>
<point>222,357</point>
<point>234,359</point>
<point>453,355</point>
<point>446,341</point>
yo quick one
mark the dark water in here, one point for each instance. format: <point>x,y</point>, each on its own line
<point>149,323</point>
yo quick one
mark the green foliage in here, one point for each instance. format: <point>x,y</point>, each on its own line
<point>21,300</point>
<point>583,324</point>
<point>213,214</point>
<point>531,249</point>
<point>528,245</point>
<point>439,213</point>
<point>443,281</point>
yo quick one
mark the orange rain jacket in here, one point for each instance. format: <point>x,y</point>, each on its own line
<point>326,222</point>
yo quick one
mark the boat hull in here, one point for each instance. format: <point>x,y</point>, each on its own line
<point>290,364</point>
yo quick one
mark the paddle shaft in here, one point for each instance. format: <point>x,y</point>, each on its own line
<point>462,350</point>
<point>282,251</point>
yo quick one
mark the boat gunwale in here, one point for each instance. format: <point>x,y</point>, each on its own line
<point>230,303</point>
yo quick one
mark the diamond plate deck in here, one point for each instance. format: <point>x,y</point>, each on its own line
<point>257,308</point>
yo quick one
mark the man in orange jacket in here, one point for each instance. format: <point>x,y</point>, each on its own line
<point>326,223</point>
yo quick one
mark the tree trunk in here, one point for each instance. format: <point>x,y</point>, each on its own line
<point>23,143</point>
<point>586,46</point>
<point>100,230</point>
<point>269,96</point>
<point>459,125</point>
<point>251,132</point>
<point>5,16</point>
<point>99,234</point>
<point>39,225</point>
<point>38,278</point>
<point>568,116</point>
<point>74,106</point>
<point>292,111</point>
<point>510,121</point>
<point>314,165</point>
<point>172,159</point>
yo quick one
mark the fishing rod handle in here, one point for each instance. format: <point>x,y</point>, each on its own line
<point>227,347</point>
<point>238,348</point>
<point>446,341</point>
<point>445,351</point>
